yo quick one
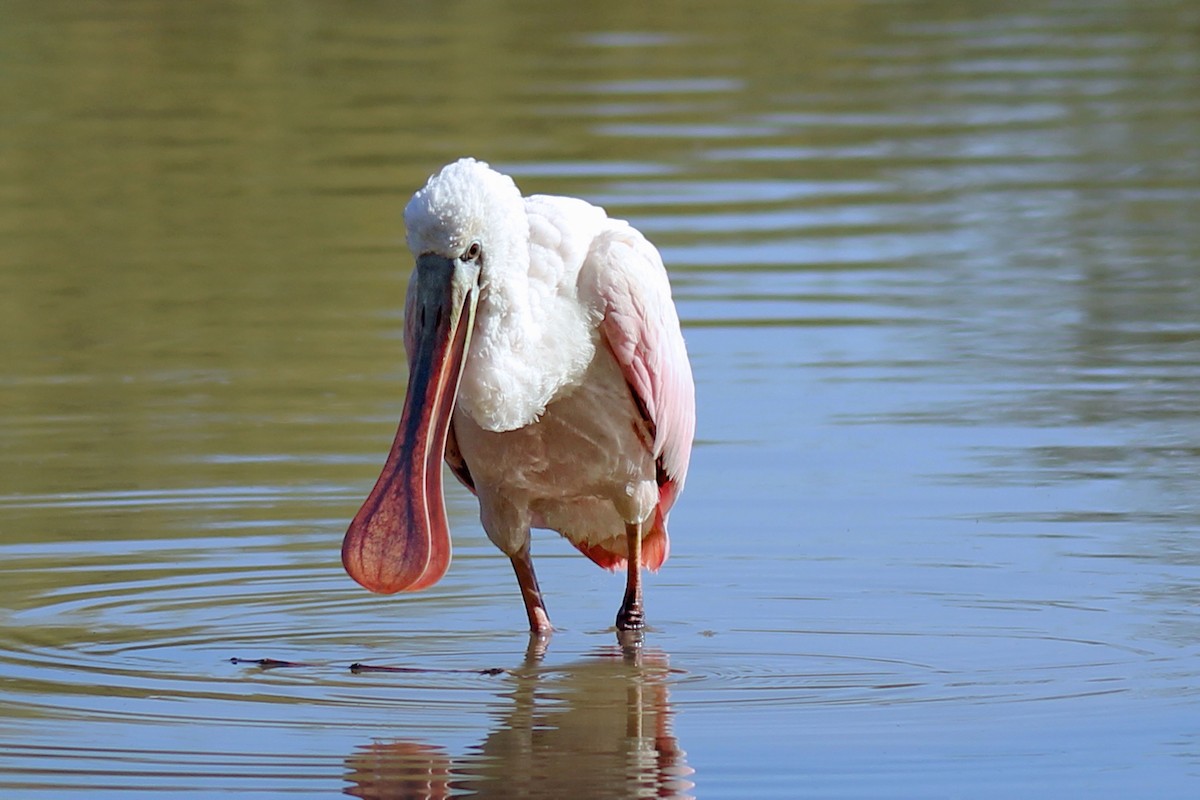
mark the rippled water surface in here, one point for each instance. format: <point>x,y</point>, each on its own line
<point>939,270</point>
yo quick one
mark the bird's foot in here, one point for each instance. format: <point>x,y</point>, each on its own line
<point>539,622</point>
<point>631,618</point>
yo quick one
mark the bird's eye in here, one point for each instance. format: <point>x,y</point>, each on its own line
<point>472,252</point>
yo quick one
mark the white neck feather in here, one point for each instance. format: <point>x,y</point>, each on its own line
<point>533,339</point>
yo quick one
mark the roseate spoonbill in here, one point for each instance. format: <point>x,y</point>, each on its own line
<point>546,365</point>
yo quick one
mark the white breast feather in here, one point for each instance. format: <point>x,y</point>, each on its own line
<point>533,338</point>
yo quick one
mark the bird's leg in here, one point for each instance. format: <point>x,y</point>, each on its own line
<point>632,617</point>
<point>539,620</point>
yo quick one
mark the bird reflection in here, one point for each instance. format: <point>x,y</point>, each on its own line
<point>600,727</point>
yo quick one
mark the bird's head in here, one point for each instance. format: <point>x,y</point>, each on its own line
<point>465,217</point>
<point>466,203</point>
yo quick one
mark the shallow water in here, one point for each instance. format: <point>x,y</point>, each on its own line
<point>937,266</point>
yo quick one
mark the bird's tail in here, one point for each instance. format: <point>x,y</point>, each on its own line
<point>610,554</point>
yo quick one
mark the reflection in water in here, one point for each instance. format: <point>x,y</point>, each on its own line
<point>595,728</point>
<point>394,770</point>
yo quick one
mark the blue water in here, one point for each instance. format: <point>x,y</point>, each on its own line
<point>936,267</point>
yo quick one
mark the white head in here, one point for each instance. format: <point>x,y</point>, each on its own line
<point>467,202</point>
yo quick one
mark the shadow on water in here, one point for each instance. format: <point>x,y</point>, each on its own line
<point>598,727</point>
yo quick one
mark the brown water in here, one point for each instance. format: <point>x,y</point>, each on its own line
<point>939,269</point>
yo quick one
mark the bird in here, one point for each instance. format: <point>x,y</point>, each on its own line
<point>548,369</point>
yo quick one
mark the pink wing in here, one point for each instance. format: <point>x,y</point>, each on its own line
<point>625,279</point>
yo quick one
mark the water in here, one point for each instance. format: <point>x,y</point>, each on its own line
<point>937,265</point>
